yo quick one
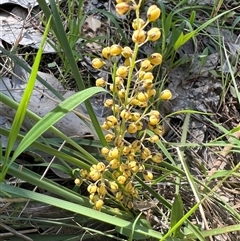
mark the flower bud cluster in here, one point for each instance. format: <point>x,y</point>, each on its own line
<point>133,94</point>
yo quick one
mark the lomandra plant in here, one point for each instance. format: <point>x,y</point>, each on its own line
<point>132,103</point>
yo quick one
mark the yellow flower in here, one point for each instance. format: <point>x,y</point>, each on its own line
<point>142,96</point>
<point>108,103</point>
<point>157,158</point>
<point>122,71</point>
<point>146,65</point>
<point>121,179</point>
<point>78,182</point>
<point>92,188</point>
<point>97,63</point>
<point>138,23</point>
<point>165,95</point>
<point>98,204</point>
<point>113,186</point>
<point>114,164</point>
<point>147,175</point>
<point>109,137</point>
<point>122,8</point>
<point>101,82</point>
<point>153,120</point>
<point>111,121</point>
<point>154,34</point>
<point>115,50</point>
<point>132,128</point>
<point>139,36</point>
<point>113,153</point>
<point>104,151</point>
<point>106,52</point>
<point>127,52</point>
<point>155,59</point>
<point>153,13</point>
<point>154,139</point>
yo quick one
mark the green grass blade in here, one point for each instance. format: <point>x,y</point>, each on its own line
<point>52,117</point>
<point>21,111</point>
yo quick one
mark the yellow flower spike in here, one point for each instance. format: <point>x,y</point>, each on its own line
<point>114,153</point>
<point>114,164</point>
<point>155,59</point>
<point>125,114</point>
<point>153,139</point>
<point>122,8</point>
<point>122,71</point>
<point>106,52</point>
<point>135,116</point>
<point>153,13</point>
<point>97,63</point>
<point>127,52</point>
<point>98,204</point>
<point>142,96</point>
<point>111,120</point>
<point>109,137</point>
<point>108,103</point>
<point>105,126</point>
<point>121,93</point>
<point>153,34</point>
<point>78,182</point>
<point>115,50</point>
<point>92,188</point>
<point>132,128</point>
<point>146,65</point>
<point>139,36</point>
<point>165,95</point>
<point>101,167</point>
<point>121,179</point>
<point>146,153</point>
<point>126,150</point>
<point>113,187</point>
<point>157,158</point>
<point>138,23</point>
<point>147,175</point>
<point>101,82</point>
<point>119,196</point>
<point>104,151</point>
